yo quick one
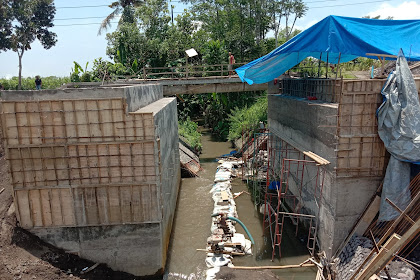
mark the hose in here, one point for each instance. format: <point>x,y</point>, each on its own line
<point>239,222</point>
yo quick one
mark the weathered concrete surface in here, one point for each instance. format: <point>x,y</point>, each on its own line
<point>142,95</point>
<point>137,96</point>
<point>172,87</point>
<point>56,94</point>
<point>309,124</point>
<point>312,126</point>
<point>166,123</point>
<point>129,248</point>
<point>138,248</point>
<point>208,88</point>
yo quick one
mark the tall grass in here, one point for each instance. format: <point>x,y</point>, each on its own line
<point>28,83</point>
<point>247,117</point>
<point>189,130</point>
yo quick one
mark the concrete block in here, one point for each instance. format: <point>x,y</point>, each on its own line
<point>57,94</point>
<point>139,96</point>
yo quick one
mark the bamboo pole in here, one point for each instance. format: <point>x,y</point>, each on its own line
<point>274,266</point>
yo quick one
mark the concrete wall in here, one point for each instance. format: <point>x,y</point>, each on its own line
<point>129,248</point>
<point>142,95</point>
<point>133,246</point>
<point>166,123</point>
<point>136,96</point>
<point>310,126</point>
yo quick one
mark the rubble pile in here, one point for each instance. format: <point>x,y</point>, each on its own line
<point>353,256</point>
<point>355,252</point>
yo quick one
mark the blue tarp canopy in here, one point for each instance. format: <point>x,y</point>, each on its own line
<point>352,37</point>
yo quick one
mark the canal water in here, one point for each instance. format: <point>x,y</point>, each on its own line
<point>192,226</point>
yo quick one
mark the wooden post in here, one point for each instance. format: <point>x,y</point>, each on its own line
<point>144,73</point>
<point>319,64</point>
<point>186,67</point>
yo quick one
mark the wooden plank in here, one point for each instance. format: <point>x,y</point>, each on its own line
<point>24,209</point>
<point>92,213</point>
<point>381,55</point>
<point>368,216</point>
<point>126,211</point>
<point>136,204</point>
<point>378,260</point>
<point>103,210</point>
<point>56,212</point>
<point>114,205</point>
<point>46,208</point>
<point>36,209</point>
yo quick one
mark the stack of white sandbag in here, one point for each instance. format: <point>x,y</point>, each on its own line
<point>224,234</point>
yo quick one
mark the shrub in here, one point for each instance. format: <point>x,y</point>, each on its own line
<point>28,83</point>
<point>247,117</point>
<point>189,130</point>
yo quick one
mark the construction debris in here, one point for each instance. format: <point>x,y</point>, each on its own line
<point>224,242</point>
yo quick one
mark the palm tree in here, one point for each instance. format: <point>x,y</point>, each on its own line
<point>119,7</point>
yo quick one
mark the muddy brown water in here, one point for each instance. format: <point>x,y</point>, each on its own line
<point>192,226</point>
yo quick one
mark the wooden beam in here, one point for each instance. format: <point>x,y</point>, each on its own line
<point>386,254</point>
<point>381,55</point>
<point>401,211</point>
<point>378,260</point>
<point>391,228</point>
<point>274,266</point>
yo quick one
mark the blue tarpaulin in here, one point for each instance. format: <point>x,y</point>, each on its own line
<point>352,37</point>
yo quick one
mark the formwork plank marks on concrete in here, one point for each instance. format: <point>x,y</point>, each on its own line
<point>87,206</point>
<point>77,164</point>
<point>69,121</point>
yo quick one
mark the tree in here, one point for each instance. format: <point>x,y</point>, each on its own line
<point>285,9</point>
<point>124,7</point>
<point>5,24</point>
<point>33,18</point>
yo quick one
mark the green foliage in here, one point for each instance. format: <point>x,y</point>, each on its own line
<point>86,77</point>
<point>361,64</point>
<point>215,108</point>
<point>123,7</point>
<point>75,73</point>
<point>189,130</point>
<point>247,117</point>
<point>6,17</point>
<point>33,19</point>
<point>28,83</point>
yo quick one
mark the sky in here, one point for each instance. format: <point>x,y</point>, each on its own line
<point>77,30</point>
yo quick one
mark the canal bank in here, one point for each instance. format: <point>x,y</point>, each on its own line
<point>192,225</point>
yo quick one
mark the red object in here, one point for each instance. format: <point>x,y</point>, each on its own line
<point>311,98</point>
<point>275,81</point>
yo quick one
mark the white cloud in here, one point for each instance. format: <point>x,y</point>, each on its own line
<point>406,10</point>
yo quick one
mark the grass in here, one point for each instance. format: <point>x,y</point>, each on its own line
<point>247,117</point>
<point>189,130</point>
<point>28,83</point>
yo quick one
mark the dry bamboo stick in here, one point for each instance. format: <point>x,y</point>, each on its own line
<point>274,266</point>
<point>224,252</point>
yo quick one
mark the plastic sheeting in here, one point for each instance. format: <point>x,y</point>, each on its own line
<point>399,129</point>
<point>352,37</point>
